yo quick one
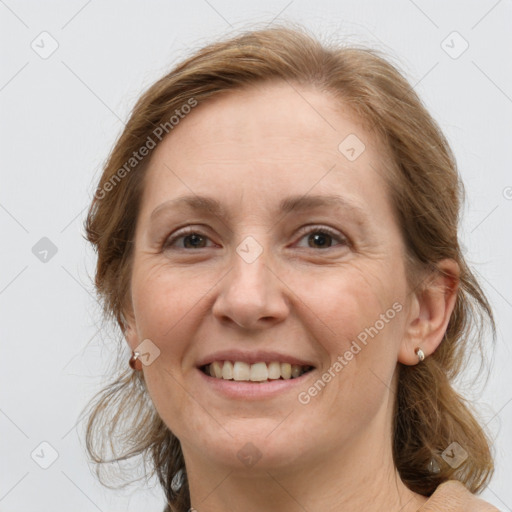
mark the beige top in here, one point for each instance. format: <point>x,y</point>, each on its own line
<point>453,496</point>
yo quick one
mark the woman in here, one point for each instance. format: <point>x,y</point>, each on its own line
<point>276,231</point>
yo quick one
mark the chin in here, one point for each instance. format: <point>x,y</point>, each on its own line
<point>252,445</point>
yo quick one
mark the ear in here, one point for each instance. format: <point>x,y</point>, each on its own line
<point>431,306</point>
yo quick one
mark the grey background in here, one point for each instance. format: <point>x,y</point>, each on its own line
<point>62,112</point>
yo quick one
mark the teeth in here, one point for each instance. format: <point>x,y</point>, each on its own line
<point>257,372</point>
<point>227,370</point>
<point>241,371</point>
<point>296,371</point>
<point>217,369</point>
<point>274,370</point>
<point>286,370</point>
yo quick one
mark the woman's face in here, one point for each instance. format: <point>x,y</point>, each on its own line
<point>302,263</point>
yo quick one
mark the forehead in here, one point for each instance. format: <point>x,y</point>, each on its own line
<point>265,115</point>
<point>258,144</point>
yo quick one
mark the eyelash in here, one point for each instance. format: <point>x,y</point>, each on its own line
<point>303,232</point>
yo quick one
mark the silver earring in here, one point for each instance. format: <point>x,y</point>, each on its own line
<point>420,354</point>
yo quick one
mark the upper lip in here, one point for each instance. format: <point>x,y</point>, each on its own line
<point>251,357</point>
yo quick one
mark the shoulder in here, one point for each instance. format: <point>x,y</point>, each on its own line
<point>453,496</point>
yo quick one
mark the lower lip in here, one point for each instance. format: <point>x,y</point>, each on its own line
<point>253,390</point>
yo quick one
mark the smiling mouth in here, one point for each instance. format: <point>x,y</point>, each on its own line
<point>257,372</point>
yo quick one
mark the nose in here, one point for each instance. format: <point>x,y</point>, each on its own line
<point>252,295</point>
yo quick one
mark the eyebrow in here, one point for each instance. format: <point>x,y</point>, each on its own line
<point>290,204</point>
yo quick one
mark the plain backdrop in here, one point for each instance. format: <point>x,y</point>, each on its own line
<point>70,73</point>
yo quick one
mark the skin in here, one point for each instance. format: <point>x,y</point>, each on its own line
<point>250,149</point>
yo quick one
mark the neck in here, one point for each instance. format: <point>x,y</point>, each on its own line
<point>359,477</point>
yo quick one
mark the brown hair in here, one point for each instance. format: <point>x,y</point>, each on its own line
<point>426,193</point>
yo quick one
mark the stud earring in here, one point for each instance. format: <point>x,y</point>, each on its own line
<point>135,363</point>
<point>420,354</point>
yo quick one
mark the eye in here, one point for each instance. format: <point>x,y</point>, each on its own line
<point>321,237</point>
<point>192,239</point>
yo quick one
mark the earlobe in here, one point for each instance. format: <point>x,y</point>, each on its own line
<point>430,312</point>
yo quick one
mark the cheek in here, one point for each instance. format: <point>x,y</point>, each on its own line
<point>358,330</point>
<point>166,306</point>
<point>361,342</point>
<point>353,302</point>
<point>362,319</point>
<point>164,303</point>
